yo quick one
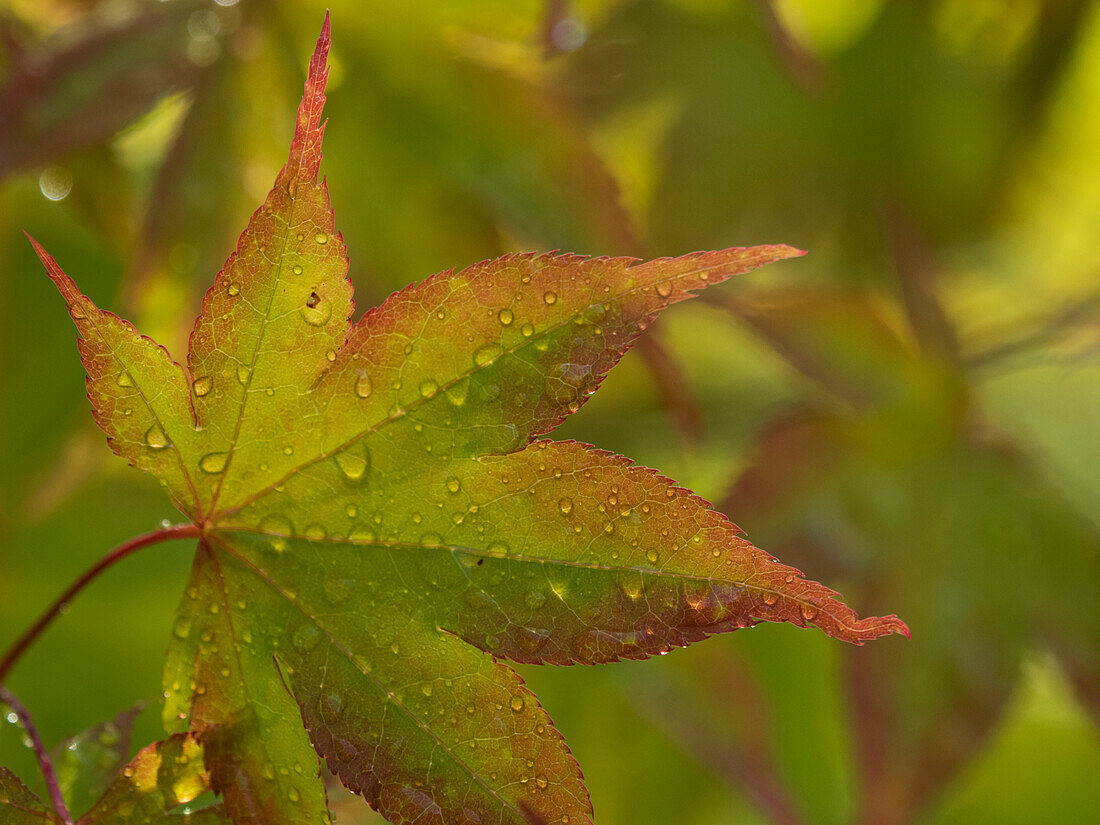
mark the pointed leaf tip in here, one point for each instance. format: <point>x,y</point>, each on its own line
<point>305,149</point>
<point>65,285</point>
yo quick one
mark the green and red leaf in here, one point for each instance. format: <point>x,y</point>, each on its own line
<point>381,525</point>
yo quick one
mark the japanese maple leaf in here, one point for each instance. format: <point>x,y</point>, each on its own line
<point>381,525</point>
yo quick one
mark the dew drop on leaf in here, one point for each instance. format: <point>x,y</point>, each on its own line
<point>664,289</point>
<point>213,463</point>
<point>202,386</point>
<point>528,330</point>
<point>297,270</point>
<point>652,555</point>
<point>363,386</point>
<point>278,527</point>
<point>550,297</point>
<point>181,629</point>
<point>242,374</point>
<point>565,505</point>
<point>535,599</point>
<point>354,462</point>
<point>456,393</point>
<point>321,238</point>
<point>316,310</point>
<point>155,438</point>
<point>486,354</point>
<point>428,388</point>
<point>125,379</point>
<point>315,531</point>
<point>517,703</point>
<point>505,317</point>
<point>234,289</point>
<point>453,485</point>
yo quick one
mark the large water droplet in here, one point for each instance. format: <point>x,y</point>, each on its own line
<point>316,310</point>
<point>528,330</point>
<point>535,599</point>
<point>550,297</point>
<point>363,386</point>
<point>354,462</point>
<point>125,379</point>
<point>428,388</point>
<point>315,531</point>
<point>278,527</point>
<point>505,317</point>
<point>155,438</point>
<point>652,555</point>
<point>306,637</point>
<point>486,354</point>
<point>202,386</point>
<point>182,627</point>
<point>213,463</point>
<point>456,393</point>
<point>321,238</point>
<point>664,289</point>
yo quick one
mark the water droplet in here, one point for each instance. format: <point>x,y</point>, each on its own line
<point>278,528</point>
<point>156,438</point>
<point>652,555</point>
<point>202,386</point>
<point>486,354</point>
<point>316,311</point>
<point>213,463</point>
<point>182,627</point>
<point>770,598</point>
<point>315,531</point>
<point>321,238</point>
<point>292,794</point>
<point>77,312</point>
<point>565,505</point>
<point>288,450</point>
<point>331,355</point>
<point>351,510</point>
<point>453,485</point>
<point>125,379</point>
<point>428,388</point>
<point>297,270</point>
<point>808,612</point>
<point>498,548</point>
<point>517,703</point>
<point>456,393</point>
<point>664,289</point>
<point>535,599</point>
<point>550,297</point>
<point>363,386</point>
<point>332,708</point>
<point>528,330</point>
<point>609,527</point>
<point>426,688</point>
<point>541,781</point>
<point>354,462</point>
<point>306,637</point>
<point>532,639</point>
<point>242,374</point>
<point>505,317</point>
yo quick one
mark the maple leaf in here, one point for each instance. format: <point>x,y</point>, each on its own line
<point>150,789</point>
<point>381,524</point>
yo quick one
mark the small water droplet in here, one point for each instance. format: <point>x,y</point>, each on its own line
<point>517,703</point>
<point>155,438</point>
<point>456,393</point>
<point>332,708</point>
<point>565,505</point>
<point>351,510</point>
<point>528,330</point>
<point>315,531</point>
<point>125,379</point>
<point>808,612</point>
<point>202,386</point>
<point>331,355</point>
<point>550,297</point>
<point>321,238</point>
<point>242,374</point>
<point>453,485</point>
<point>532,639</point>
<point>213,463</point>
<point>297,270</point>
<point>428,388</point>
<point>652,555</point>
<point>288,450</point>
<point>664,289</point>
<point>292,794</point>
<point>541,781</point>
<point>505,317</point>
<point>426,688</point>
<point>363,386</point>
<point>182,627</point>
<point>770,598</point>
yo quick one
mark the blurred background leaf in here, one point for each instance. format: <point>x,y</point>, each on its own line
<point>909,413</point>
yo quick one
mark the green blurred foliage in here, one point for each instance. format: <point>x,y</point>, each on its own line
<point>908,413</point>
